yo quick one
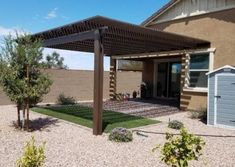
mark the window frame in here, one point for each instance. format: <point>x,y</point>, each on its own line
<point>210,53</point>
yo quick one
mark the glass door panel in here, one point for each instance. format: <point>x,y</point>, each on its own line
<point>175,76</point>
<point>162,79</point>
<point>168,79</point>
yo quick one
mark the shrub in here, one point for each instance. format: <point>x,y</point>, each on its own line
<point>200,114</point>
<point>175,124</point>
<point>121,135</point>
<point>65,100</point>
<point>33,156</point>
<point>177,151</point>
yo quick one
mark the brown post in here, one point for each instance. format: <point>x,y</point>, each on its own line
<point>98,83</point>
<point>112,78</point>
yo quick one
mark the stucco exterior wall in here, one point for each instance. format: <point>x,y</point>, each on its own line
<point>148,75</point>
<point>79,84</point>
<point>148,71</point>
<point>219,29</point>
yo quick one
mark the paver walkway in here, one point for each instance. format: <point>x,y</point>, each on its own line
<point>144,108</point>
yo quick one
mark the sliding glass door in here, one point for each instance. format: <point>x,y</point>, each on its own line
<point>174,81</point>
<point>168,79</point>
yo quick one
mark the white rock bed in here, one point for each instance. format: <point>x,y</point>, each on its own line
<point>72,145</point>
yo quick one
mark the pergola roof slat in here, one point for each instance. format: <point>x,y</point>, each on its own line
<point>119,38</point>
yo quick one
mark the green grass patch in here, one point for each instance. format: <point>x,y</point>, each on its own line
<point>83,116</point>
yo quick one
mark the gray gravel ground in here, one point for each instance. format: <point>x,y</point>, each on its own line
<point>72,145</point>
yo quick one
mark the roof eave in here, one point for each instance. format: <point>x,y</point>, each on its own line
<point>159,12</point>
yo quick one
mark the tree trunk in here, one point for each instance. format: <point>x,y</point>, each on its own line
<point>18,116</point>
<point>23,120</point>
<point>27,123</point>
<point>27,100</point>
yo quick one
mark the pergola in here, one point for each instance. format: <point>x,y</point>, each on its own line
<point>109,37</point>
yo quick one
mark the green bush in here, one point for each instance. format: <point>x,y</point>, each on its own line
<point>177,151</point>
<point>121,135</point>
<point>200,114</point>
<point>33,156</point>
<point>65,100</point>
<point>175,124</point>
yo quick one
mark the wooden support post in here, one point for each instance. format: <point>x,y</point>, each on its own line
<point>98,83</point>
<point>112,78</point>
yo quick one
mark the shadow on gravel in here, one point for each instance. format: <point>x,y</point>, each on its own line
<point>40,124</point>
<point>139,132</point>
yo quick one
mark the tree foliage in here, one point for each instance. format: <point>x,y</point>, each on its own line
<point>54,61</point>
<point>21,76</point>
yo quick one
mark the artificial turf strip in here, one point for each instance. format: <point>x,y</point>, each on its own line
<point>83,116</point>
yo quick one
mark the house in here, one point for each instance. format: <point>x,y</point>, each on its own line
<point>179,73</point>
<point>178,45</point>
<point>182,74</point>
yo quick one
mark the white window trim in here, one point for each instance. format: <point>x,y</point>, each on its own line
<point>200,70</point>
<point>211,52</point>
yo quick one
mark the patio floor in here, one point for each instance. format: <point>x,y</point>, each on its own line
<point>144,108</point>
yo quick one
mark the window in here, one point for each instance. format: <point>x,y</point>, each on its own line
<point>198,67</point>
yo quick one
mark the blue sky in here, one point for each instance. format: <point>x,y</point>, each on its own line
<point>38,15</point>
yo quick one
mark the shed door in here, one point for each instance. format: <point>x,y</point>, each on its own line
<point>225,98</point>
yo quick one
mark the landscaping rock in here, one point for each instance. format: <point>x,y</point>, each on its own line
<point>68,144</point>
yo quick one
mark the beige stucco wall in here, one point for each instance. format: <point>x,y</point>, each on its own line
<point>193,101</point>
<point>148,71</point>
<point>79,84</point>
<point>219,29</point>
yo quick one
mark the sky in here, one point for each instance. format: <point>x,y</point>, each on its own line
<point>38,15</point>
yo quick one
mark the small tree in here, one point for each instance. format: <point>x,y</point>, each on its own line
<point>21,76</point>
<point>177,151</point>
<point>54,61</point>
<point>34,156</point>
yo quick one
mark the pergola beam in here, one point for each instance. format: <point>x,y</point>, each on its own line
<point>81,36</point>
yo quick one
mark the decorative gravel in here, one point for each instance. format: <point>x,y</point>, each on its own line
<point>72,145</point>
